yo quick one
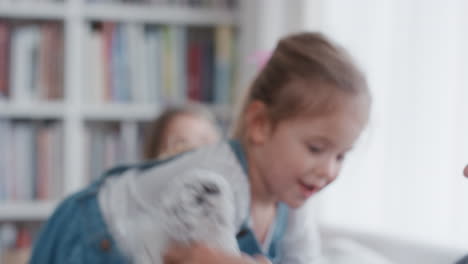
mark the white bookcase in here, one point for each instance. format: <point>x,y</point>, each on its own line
<point>73,112</point>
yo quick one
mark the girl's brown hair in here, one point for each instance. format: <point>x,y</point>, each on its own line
<point>303,76</point>
<point>156,135</point>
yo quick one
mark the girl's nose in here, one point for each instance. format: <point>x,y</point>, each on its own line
<point>328,170</point>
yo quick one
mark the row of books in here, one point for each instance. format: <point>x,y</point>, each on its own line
<point>16,242</point>
<point>119,143</point>
<point>137,63</point>
<point>189,3</point>
<point>31,61</point>
<point>111,144</point>
<point>31,165</point>
<point>31,160</point>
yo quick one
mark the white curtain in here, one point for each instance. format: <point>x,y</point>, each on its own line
<point>405,176</point>
<point>264,22</point>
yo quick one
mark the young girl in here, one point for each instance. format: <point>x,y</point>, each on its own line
<point>179,129</point>
<point>304,112</point>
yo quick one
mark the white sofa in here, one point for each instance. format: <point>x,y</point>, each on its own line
<point>343,246</point>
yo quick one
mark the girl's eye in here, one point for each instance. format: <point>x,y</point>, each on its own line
<point>314,149</point>
<point>341,157</point>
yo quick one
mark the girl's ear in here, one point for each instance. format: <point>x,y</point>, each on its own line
<point>258,123</point>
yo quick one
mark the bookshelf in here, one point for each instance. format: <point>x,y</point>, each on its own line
<point>72,110</point>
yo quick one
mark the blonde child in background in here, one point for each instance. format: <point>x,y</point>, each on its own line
<point>178,129</point>
<point>304,112</point>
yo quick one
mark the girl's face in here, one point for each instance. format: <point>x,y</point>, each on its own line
<point>187,132</point>
<point>300,156</point>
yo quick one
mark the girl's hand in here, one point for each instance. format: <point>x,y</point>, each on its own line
<point>200,254</point>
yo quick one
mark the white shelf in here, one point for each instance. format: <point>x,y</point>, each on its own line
<point>120,112</point>
<point>223,111</point>
<point>33,110</point>
<point>159,14</point>
<point>26,210</point>
<point>30,10</point>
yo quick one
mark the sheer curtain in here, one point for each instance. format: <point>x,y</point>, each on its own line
<point>405,175</point>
